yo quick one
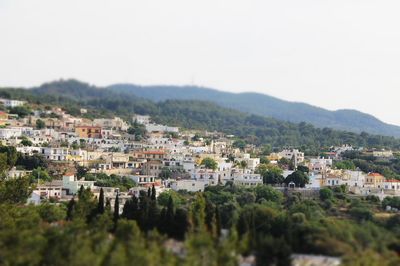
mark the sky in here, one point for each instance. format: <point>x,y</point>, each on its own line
<point>334,54</point>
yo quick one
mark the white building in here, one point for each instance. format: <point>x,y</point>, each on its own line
<point>72,185</point>
<point>320,164</point>
<point>189,185</point>
<point>161,128</point>
<point>246,178</point>
<point>11,103</point>
<point>15,132</point>
<point>293,154</point>
<point>141,119</point>
<point>115,122</point>
<point>28,150</point>
<point>383,154</point>
<point>391,184</point>
<point>55,154</point>
<point>50,190</point>
<point>143,180</point>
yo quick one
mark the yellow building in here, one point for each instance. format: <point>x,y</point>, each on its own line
<point>92,132</point>
<point>374,180</point>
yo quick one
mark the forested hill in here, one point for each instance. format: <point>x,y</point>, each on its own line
<point>72,95</point>
<point>261,104</point>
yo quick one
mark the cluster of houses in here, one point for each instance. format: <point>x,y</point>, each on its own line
<point>105,146</point>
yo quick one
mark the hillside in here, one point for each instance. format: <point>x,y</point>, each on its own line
<point>194,114</point>
<point>261,104</point>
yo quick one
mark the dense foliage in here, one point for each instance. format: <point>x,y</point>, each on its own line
<point>188,229</point>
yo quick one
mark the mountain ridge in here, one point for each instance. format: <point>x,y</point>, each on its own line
<point>266,105</point>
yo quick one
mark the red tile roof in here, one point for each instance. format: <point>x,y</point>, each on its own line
<point>87,127</point>
<point>153,152</point>
<point>393,181</point>
<point>374,174</point>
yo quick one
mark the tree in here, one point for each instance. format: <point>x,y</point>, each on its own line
<point>40,174</point>
<point>273,251</point>
<point>131,209</point>
<point>40,124</point>
<point>153,193</point>
<point>165,173</point>
<point>246,198</point>
<point>325,194</point>
<point>26,142</point>
<point>271,174</point>
<point>70,209</point>
<point>241,144</point>
<point>299,178</point>
<point>266,150</point>
<point>31,162</point>
<point>243,164</point>
<point>21,111</point>
<point>12,155</point>
<point>303,169</point>
<point>153,216</point>
<point>209,163</point>
<point>138,130</point>
<point>116,210</point>
<point>15,191</point>
<point>3,163</point>
<point>268,193</point>
<point>100,206</point>
<point>51,213</point>
<point>163,198</point>
<point>197,213</point>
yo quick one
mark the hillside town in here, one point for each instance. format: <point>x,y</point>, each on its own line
<point>79,152</point>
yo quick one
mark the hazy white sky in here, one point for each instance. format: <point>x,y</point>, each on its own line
<point>330,53</point>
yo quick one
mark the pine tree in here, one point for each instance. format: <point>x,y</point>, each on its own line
<point>153,193</point>
<point>100,207</point>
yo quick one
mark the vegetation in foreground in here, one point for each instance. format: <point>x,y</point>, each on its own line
<point>215,227</point>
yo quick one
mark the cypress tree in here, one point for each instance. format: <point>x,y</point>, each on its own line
<point>218,221</point>
<point>131,209</point>
<point>153,216</point>
<point>100,207</point>
<point>169,217</point>
<point>116,209</point>
<point>162,227</point>
<point>210,216</point>
<point>153,193</point>
<point>80,192</point>
<point>181,224</point>
<point>70,209</point>
<point>108,206</point>
<point>143,210</point>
